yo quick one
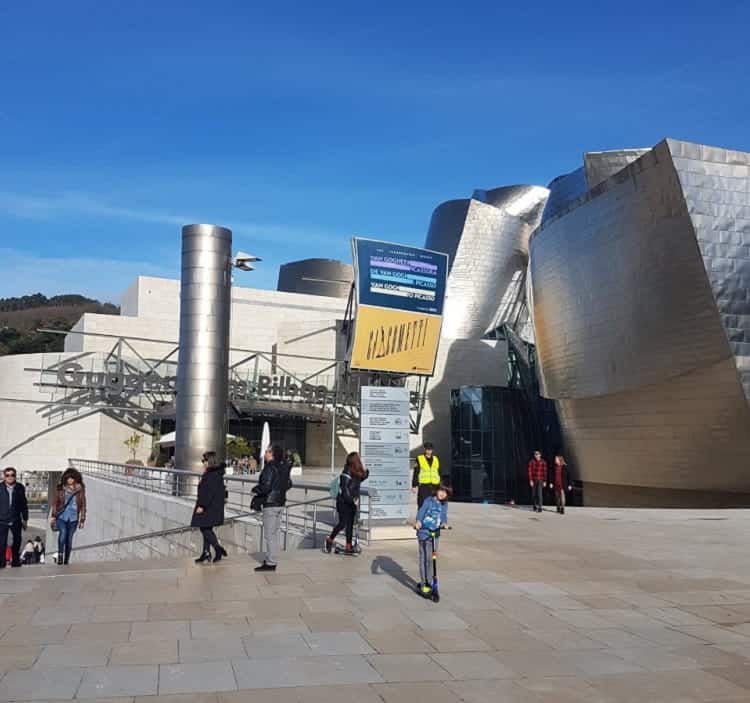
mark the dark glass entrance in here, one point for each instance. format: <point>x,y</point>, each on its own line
<point>492,436</point>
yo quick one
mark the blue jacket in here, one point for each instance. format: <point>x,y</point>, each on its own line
<point>423,533</point>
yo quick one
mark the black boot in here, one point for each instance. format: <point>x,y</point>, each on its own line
<point>220,552</point>
<point>329,545</point>
<point>206,556</point>
<point>266,567</point>
<point>562,510</point>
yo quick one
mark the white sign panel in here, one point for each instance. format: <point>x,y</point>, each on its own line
<point>384,446</point>
<point>394,422</point>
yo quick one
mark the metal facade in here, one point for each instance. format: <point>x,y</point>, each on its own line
<point>326,277</point>
<point>642,321</point>
<point>486,238</point>
<point>203,364</point>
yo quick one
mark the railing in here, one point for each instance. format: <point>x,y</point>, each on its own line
<point>308,504</point>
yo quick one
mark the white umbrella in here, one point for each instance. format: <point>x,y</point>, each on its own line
<point>265,443</point>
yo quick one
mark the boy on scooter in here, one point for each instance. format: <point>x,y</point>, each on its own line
<point>432,516</point>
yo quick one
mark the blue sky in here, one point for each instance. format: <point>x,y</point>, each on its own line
<point>302,124</point>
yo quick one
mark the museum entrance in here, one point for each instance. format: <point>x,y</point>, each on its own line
<point>287,430</point>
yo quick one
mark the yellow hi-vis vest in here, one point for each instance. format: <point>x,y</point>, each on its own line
<point>427,473</point>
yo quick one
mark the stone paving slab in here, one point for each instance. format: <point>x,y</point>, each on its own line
<point>196,677</point>
<point>61,656</point>
<point>304,671</point>
<point>119,681</point>
<point>38,685</point>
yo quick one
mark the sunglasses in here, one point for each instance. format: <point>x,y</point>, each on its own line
<point>10,475</point>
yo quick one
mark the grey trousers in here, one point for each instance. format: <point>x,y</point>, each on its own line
<point>271,533</point>
<point>425,559</point>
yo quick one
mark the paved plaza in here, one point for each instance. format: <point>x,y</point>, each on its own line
<point>600,606</point>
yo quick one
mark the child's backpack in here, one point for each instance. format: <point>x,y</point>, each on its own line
<point>334,486</point>
<point>433,516</point>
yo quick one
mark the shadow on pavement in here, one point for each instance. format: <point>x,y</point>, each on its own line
<point>394,570</point>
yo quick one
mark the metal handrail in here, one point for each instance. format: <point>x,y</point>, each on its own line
<point>169,482</point>
<point>152,535</point>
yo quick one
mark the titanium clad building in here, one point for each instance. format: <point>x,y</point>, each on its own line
<point>487,241</point>
<point>326,277</point>
<point>641,309</point>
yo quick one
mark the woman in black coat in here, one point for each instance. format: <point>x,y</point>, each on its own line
<point>209,507</point>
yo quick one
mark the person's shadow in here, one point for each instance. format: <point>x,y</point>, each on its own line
<point>394,570</point>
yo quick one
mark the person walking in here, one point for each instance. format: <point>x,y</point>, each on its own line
<point>14,516</point>
<point>209,507</point>
<point>560,481</point>
<point>347,502</point>
<point>537,470</point>
<point>426,477</point>
<point>273,484</point>
<point>68,512</point>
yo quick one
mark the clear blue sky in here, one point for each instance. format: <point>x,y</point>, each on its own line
<point>302,124</point>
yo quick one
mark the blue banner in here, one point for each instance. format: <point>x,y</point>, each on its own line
<point>400,277</point>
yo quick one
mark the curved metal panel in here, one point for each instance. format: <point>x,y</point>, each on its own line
<point>563,192</point>
<point>601,165</point>
<point>203,363</point>
<point>621,297</point>
<point>487,243</point>
<point>716,185</point>
<point>639,293</point>
<point>326,277</point>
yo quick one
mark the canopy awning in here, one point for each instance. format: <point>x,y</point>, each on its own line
<point>168,439</point>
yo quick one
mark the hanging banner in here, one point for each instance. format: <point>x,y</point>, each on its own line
<point>400,296</point>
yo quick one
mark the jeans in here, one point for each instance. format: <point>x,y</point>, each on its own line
<point>347,513</point>
<point>271,532</point>
<point>210,539</point>
<point>538,494</point>
<point>65,532</point>
<point>15,530</point>
<point>425,559</point>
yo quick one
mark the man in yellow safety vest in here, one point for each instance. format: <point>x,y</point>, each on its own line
<point>426,474</point>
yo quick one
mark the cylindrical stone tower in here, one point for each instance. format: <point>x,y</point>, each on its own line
<point>203,362</point>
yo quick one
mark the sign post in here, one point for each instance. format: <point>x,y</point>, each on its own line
<point>384,448</point>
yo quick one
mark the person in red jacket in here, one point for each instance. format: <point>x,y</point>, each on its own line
<point>538,480</point>
<point>560,481</point>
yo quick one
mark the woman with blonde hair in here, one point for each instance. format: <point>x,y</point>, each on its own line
<point>560,481</point>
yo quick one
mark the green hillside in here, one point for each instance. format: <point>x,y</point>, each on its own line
<point>20,318</point>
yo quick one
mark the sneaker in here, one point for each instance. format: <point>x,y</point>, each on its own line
<point>426,589</point>
<point>266,567</point>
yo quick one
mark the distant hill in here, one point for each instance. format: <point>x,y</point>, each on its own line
<point>21,317</point>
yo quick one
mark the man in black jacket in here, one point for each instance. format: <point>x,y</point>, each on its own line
<point>273,484</point>
<point>14,515</point>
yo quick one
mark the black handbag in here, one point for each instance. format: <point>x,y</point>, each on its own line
<point>53,526</point>
<point>257,502</point>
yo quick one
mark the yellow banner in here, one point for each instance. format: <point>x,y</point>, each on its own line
<point>395,340</point>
